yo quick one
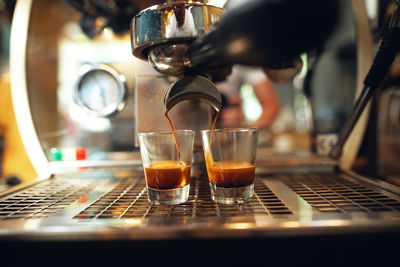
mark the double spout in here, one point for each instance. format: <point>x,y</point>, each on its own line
<point>190,87</point>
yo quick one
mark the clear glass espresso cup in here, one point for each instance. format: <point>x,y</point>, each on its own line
<point>167,165</point>
<point>230,156</point>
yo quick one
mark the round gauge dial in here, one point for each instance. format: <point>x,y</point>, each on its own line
<point>101,90</point>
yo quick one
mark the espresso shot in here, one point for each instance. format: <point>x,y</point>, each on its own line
<point>230,156</point>
<point>231,174</point>
<point>167,161</point>
<point>168,174</point>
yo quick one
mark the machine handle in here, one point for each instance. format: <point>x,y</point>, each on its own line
<point>384,58</point>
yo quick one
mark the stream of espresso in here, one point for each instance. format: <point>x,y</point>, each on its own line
<point>173,132</point>
<point>213,127</point>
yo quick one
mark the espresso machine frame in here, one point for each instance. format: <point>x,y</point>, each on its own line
<point>103,204</point>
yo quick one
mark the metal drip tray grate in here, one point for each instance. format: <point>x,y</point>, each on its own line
<point>129,200</point>
<point>44,199</point>
<point>337,193</point>
<point>275,196</point>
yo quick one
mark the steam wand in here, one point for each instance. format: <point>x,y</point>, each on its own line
<point>384,58</point>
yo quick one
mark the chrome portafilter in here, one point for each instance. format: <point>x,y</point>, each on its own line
<point>162,33</point>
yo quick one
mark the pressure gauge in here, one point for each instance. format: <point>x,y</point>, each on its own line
<point>101,90</point>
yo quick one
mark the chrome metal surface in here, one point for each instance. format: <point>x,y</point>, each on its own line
<point>101,205</point>
<point>168,59</point>
<point>171,22</point>
<point>45,199</point>
<point>192,87</point>
<point>339,194</point>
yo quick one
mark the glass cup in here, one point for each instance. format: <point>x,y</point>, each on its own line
<point>230,156</point>
<point>167,169</point>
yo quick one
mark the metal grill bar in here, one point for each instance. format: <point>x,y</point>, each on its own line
<point>44,199</point>
<point>337,193</point>
<point>129,200</point>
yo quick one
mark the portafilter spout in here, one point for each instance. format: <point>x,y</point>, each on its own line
<point>192,87</point>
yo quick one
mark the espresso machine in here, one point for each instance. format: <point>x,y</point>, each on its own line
<point>87,76</point>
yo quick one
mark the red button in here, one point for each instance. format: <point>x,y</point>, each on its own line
<point>81,153</point>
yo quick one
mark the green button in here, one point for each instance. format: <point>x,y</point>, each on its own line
<point>56,154</point>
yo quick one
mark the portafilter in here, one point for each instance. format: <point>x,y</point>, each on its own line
<point>162,33</point>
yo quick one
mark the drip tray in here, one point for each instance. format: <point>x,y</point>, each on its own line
<point>319,193</point>
<point>85,205</point>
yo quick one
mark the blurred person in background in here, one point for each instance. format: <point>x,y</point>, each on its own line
<point>249,99</point>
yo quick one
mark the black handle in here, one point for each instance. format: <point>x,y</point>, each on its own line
<point>384,58</point>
